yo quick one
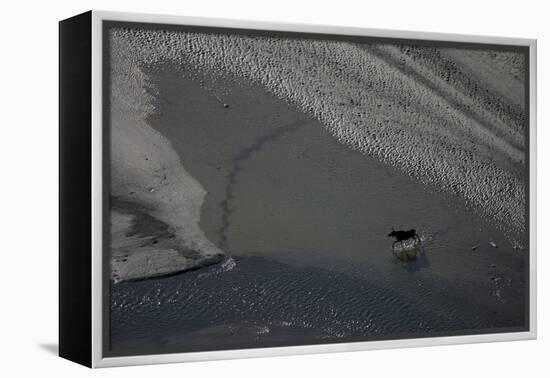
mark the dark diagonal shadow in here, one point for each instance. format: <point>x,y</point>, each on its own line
<point>243,155</point>
<point>51,348</point>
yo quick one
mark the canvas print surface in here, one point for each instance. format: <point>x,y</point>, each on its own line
<point>274,189</point>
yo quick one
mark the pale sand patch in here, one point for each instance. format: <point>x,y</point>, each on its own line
<point>147,173</point>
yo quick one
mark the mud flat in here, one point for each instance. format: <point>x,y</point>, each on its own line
<point>280,186</point>
<point>305,216</point>
<point>430,112</point>
<point>149,186</point>
<point>306,220</point>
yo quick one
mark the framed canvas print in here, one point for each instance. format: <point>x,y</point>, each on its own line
<point>234,189</point>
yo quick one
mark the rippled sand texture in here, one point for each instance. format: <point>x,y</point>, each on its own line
<point>451,118</point>
<point>155,203</point>
<point>263,303</point>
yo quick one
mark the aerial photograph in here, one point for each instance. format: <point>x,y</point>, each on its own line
<point>276,189</point>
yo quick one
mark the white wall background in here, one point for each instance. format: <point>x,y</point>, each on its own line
<point>28,161</point>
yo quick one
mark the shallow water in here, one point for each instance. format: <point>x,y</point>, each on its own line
<point>262,303</point>
<point>306,220</point>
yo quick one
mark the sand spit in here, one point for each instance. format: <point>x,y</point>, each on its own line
<point>145,247</point>
<point>453,119</point>
<point>149,187</point>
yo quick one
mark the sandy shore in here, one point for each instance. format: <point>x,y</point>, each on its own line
<point>306,219</point>
<point>149,186</point>
<point>432,113</point>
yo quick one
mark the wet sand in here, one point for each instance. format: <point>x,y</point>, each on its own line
<point>282,188</point>
<point>278,183</point>
<point>451,118</point>
<point>296,158</point>
<point>149,186</point>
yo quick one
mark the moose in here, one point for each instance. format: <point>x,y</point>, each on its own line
<point>403,235</point>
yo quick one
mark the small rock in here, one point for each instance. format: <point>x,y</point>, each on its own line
<point>493,244</point>
<point>152,190</point>
<point>226,105</point>
<point>474,247</point>
<point>132,193</point>
<point>493,266</point>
